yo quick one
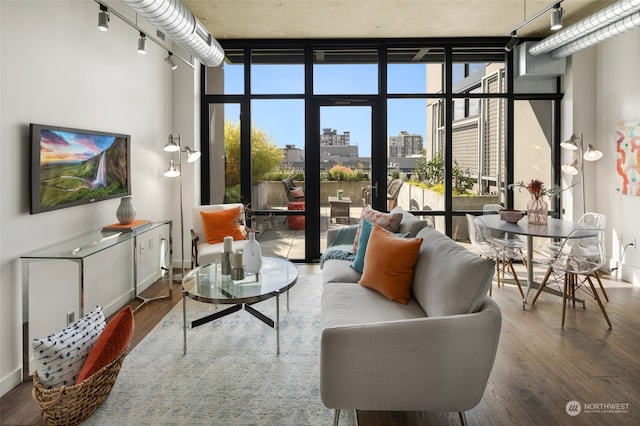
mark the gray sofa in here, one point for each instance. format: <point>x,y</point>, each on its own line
<point>433,354</point>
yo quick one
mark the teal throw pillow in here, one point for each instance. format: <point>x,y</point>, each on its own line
<point>363,240</point>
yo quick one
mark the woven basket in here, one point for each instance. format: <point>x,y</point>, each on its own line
<point>70,405</point>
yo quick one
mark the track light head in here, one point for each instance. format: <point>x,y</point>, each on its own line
<point>142,44</point>
<point>513,41</point>
<point>556,17</point>
<point>170,61</point>
<point>103,18</point>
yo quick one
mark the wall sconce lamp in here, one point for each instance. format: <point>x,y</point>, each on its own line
<point>556,17</point>
<point>575,143</point>
<point>174,144</point>
<point>103,18</point>
<point>142,44</point>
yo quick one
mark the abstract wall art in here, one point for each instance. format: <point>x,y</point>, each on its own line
<point>628,157</point>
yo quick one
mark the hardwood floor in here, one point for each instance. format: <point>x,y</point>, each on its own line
<point>539,366</point>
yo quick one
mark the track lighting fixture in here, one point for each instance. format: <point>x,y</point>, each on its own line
<point>103,18</point>
<point>142,44</point>
<point>556,17</point>
<point>513,41</point>
<point>169,60</point>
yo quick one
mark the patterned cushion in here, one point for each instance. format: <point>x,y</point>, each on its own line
<point>389,221</point>
<point>60,356</point>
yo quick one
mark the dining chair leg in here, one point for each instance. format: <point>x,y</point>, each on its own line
<point>595,296</point>
<point>498,271</point>
<point>574,281</point>
<point>564,297</point>
<point>604,293</point>
<point>513,271</point>
<point>542,284</point>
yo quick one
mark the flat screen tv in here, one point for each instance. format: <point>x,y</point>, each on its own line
<point>70,167</point>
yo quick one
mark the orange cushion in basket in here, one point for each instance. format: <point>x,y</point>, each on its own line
<point>112,341</point>
<point>388,264</point>
<point>221,223</point>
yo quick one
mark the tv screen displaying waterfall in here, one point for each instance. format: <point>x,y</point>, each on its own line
<point>73,166</point>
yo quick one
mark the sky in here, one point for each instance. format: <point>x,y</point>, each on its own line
<point>71,147</point>
<point>283,120</point>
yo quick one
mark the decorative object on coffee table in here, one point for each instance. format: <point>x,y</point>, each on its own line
<point>252,255</point>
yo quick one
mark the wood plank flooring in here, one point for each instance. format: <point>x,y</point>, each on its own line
<point>539,367</point>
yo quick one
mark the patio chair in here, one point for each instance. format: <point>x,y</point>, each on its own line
<point>294,193</point>
<point>393,189</point>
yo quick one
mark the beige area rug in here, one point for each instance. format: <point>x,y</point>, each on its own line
<point>231,374</point>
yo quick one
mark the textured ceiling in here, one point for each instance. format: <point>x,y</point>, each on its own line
<point>267,19</point>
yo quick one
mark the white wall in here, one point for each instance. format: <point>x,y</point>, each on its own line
<point>602,89</point>
<point>57,68</point>
<point>617,89</point>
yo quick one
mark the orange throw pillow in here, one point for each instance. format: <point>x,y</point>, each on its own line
<point>221,223</point>
<point>112,341</point>
<point>388,264</point>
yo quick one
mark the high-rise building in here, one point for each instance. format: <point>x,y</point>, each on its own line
<point>330,137</point>
<point>405,145</point>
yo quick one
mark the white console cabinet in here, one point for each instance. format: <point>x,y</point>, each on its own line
<point>109,269</point>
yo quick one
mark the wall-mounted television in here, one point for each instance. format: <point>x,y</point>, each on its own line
<point>70,167</point>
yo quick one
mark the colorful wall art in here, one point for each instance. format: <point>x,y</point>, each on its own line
<point>628,157</point>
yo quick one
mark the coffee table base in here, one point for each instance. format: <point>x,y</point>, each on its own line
<point>235,308</point>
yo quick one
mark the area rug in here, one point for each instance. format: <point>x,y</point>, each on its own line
<point>231,374</point>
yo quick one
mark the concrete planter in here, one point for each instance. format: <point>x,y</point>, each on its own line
<point>270,194</point>
<point>413,197</point>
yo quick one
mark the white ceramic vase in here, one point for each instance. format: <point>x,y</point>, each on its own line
<point>252,255</point>
<point>126,211</point>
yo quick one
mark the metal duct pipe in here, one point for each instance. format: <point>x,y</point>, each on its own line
<point>600,19</point>
<point>628,23</point>
<point>173,19</point>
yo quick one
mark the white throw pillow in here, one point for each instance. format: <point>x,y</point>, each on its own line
<point>60,356</point>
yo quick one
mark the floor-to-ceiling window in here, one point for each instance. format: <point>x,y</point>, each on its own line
<point>438,128</point>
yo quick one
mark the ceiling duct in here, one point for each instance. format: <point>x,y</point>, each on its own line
<point>173,19</point>
<point>626,24</point>
<point>606,23</point>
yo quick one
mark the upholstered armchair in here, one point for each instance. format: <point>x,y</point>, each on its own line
<point>218,221</point>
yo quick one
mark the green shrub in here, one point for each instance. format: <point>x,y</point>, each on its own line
<point>344,173</point>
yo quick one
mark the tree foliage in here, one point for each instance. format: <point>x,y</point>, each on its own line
<point>431,172</point>
<point>265,155</point>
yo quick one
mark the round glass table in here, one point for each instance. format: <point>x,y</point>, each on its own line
<point>207,284</point>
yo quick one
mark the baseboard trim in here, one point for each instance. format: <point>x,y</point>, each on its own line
<point>10,381</point>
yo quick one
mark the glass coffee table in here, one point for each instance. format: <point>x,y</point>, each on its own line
<point>207,284</point>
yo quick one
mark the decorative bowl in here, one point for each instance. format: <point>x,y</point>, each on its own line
<point>510,215</point>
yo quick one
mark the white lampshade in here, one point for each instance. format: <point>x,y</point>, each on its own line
<point>172,145</point>
<point>571,168</point>
<point>172,171</point>
<point>571,143</point>
<point>592,154</point>
<point>192,155</point>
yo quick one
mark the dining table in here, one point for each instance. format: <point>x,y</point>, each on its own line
<point>554,228</point>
